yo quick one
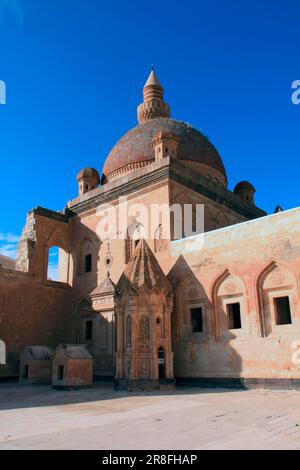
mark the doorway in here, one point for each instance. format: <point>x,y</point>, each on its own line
<point>161,364</point>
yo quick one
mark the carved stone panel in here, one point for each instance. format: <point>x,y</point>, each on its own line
<point>144,368</point>
<point>144,329</point>
<point>128,332</point>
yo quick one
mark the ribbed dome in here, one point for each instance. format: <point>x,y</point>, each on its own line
<point>136,147</point>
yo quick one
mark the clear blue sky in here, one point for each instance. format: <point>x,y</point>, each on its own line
<point>74,71</point>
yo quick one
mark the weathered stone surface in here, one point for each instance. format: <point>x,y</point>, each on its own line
<point>247,262</point>
<point>144,303</point>
<point>7,263</point>
<point>188,418</point>
<point>35,365</point>
<point>72,366</point>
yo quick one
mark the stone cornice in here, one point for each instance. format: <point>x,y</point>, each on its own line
<point>174,171</point>
<point>212,190</point>
<point>124,189</point>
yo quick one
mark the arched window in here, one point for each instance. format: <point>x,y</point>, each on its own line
<point>58,264</point>
<point>85,257</point>
<point>85,323</point>
<point>230,306</point>
<point>276,290</point>
<point>159,327</point>
<point>191,310</point>
<point>2,353</point>
<point>135,232</point>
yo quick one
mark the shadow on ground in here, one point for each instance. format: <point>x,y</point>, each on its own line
<point>14,395</point>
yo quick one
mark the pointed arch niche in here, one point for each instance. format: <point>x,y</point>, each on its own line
<point>231,315</point>
<point>135,232</point>
<point>85,260</point>
<point>192,311</point>
<point>85,320</point>
<point>278,300</point>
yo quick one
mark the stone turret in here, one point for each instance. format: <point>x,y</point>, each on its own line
<point>165,144</point>
<point>144,358</point>
<point>87,179</point>
<point>245,191</point>
<point>153,105</point>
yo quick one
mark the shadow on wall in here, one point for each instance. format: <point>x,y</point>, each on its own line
<point>97,333</point>
<point>203,330</point>
<point>49,306</point>
<point>92,327</point>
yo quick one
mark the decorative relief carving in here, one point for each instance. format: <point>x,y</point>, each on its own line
<point>144,368</point>
<point>230,287</point>
<point>144,329</point>
<point>128,332</point>
<point>152,109</point>
<point>277,277</point>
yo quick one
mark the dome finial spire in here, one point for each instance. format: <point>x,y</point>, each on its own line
<point>153,105</point>
<point>153,80</point>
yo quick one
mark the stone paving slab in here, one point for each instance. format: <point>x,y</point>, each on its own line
<point>38,417</point>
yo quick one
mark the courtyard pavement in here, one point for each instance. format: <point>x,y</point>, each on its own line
<point>37,417</point>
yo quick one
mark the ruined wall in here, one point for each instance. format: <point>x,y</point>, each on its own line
<point>251,264</point>
<point>7,263</point>
<point>34,310</point>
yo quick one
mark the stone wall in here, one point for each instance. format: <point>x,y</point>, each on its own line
<point>251,264</point>
<point>33,309</point>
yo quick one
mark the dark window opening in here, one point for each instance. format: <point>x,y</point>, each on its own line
<point>234,316</point>
<point>86,186</point>
<point>282,311</point>
<point>158,321</point>
<point>161,364</point>
<point>26,371</point>
<point>89,329</point>
<point>60,373</point>
<point>166,149</point>
<point>196,318</point>
<point>88,263</point>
